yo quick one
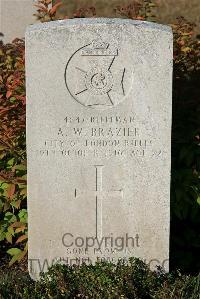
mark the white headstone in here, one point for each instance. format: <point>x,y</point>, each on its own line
<point>98,141</point>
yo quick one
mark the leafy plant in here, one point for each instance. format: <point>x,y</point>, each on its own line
<point>13,222</point>
<point>137,9</point>
<point>185,191</point>
<point>103,280</point>
<point>46,11</point>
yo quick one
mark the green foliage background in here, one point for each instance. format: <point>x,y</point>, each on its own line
<point>185,187</point>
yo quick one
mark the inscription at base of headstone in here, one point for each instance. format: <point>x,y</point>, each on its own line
<point>98,141</point>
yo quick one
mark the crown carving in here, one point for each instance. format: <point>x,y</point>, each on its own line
<point>100,45</point>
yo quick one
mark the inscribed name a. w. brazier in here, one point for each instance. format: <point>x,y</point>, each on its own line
<point>98,141</point>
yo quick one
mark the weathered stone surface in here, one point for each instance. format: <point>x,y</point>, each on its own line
<point>98,141</point>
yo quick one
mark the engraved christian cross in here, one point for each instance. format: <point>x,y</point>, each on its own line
<point>99,195</point>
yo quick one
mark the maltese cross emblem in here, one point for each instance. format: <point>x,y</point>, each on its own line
<point>96,77</point>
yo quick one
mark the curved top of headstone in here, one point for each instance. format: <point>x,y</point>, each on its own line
<point>100,21</point>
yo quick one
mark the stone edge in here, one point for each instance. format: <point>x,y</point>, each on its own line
<point>96,21</point>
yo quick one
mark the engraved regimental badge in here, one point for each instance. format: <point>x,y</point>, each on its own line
<point>97,76</point>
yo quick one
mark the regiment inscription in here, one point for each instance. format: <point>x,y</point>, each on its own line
<point>94,137</point>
